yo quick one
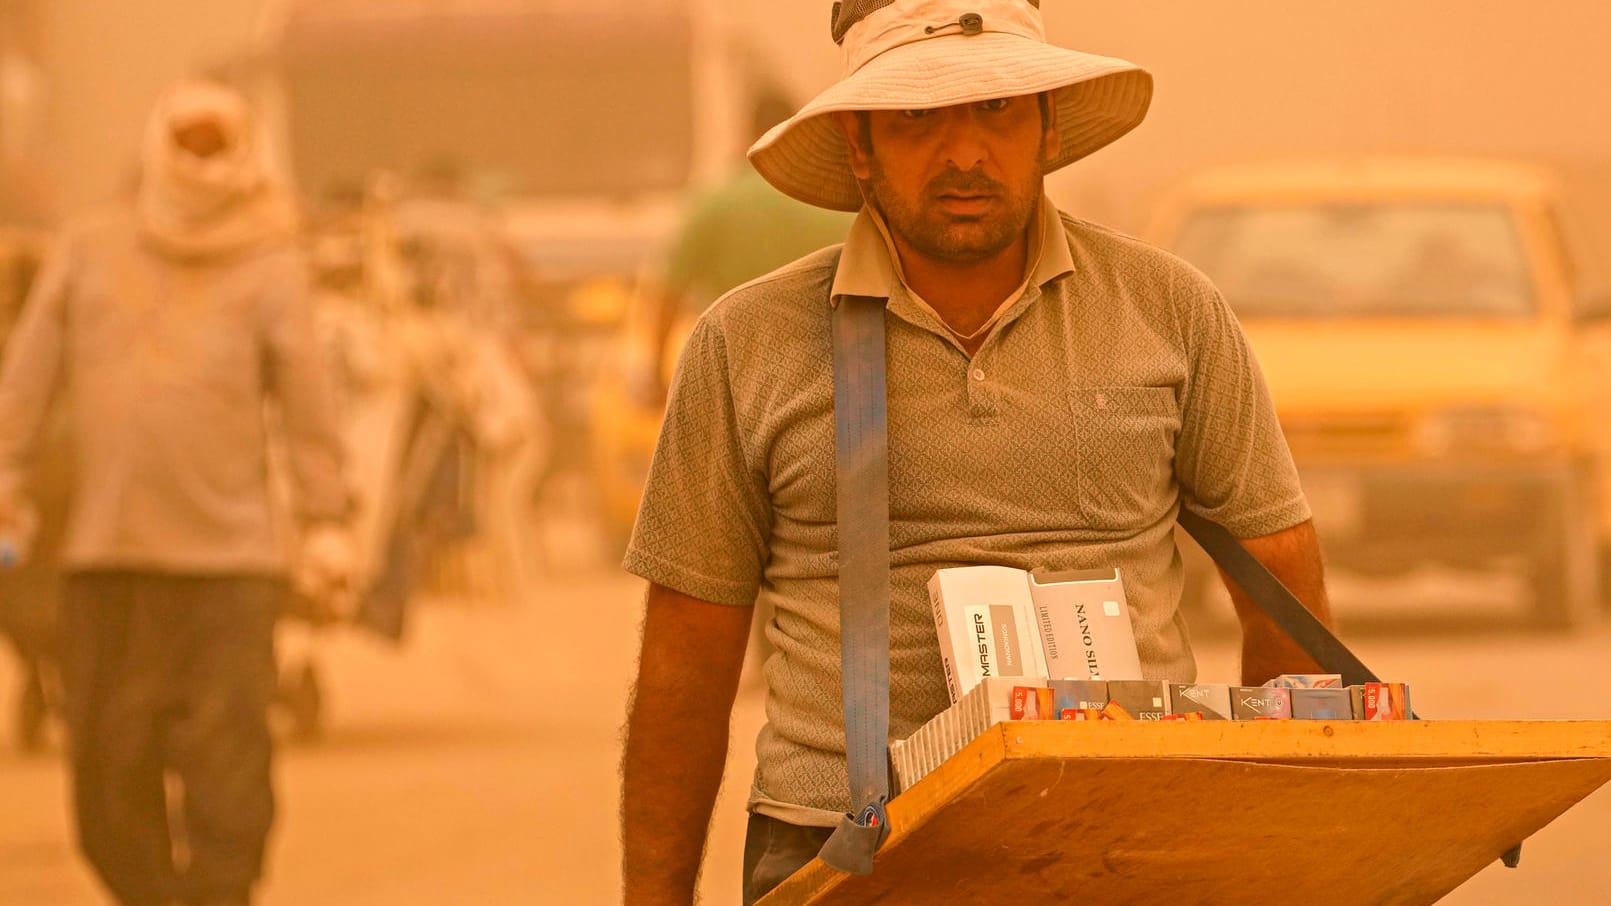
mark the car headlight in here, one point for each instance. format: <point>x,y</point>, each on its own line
<point>1484,429</point>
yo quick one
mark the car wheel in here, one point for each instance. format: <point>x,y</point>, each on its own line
<point>1565,576</point>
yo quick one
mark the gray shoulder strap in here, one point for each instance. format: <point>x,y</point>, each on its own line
<point>1276,600</point>
<point>1284,608</point>
<point>861,439</point>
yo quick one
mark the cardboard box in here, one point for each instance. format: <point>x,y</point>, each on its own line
<point>1084,624</point>
<point>1381,701</point>
<point>1141,699</point>
<point>1260,702</point>
<point>986,626</point>
<point>1078,695</point>
<point>1324,703</point>
<point>1211,700</point>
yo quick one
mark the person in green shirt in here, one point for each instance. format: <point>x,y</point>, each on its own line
<point>737,231</point>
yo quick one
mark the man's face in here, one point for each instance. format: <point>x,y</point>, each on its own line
<point>956,184</point>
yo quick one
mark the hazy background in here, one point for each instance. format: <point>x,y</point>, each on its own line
<point>475,763</point>
<point>1234,79</point>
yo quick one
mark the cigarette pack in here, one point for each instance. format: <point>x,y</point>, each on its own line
<point>1260,702</point>
<point>1141,699</point>
<point>986,626</point>
<point>1032,703</point>
<point>1324,703</point>
<point>1079,695</point>
<point>1211,700</point>
<point>1114,711</point>
<point>1381,701</point>
<point>1084,624</point>
<point>1307,681</point>
<point>946,733</point>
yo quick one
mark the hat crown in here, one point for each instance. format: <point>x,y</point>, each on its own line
<point>929,54</point>
<point>867,28</point>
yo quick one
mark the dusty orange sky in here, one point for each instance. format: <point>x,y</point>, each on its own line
<point>1235,78</point>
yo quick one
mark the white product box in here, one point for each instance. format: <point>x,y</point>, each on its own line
<point>986,626</point>
<point>1084,623</point>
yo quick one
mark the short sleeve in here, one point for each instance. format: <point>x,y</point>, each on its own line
<point>1232,460</point>
<point>705,517</point>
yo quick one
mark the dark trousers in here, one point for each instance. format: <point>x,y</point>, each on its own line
<point>169,678</point>
<point>775,849</point>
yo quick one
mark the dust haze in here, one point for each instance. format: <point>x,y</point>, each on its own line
<point>1408,205</point>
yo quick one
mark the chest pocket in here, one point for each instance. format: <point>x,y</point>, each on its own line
<point>1126,438</point>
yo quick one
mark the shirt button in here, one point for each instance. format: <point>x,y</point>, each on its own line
<point>978,374</point>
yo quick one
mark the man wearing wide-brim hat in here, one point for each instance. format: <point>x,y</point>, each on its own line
<point>1056,393</point>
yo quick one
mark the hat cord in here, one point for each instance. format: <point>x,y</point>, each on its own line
<point>970,23</point>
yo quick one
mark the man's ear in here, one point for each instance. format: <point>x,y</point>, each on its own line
<point>1051,140</point>
<point>861,157</point>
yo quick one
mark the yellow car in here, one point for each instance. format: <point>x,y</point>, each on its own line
<point>1440,368</point>
<point>626,409</point>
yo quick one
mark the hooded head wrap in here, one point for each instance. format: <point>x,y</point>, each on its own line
<point>195,206</point>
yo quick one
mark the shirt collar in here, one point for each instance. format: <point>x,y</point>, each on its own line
<point>869,265</point>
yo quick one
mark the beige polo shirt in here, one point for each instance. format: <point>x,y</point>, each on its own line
<point>1114,388</point>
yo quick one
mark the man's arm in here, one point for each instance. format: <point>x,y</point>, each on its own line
<point>301,381</point>
<point>676,741</point>
<point>33,362</point>
<point>1293,555</point>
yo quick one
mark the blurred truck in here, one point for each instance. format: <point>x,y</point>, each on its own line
<point>1439,359</point>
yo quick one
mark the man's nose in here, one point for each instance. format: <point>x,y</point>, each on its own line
<point>961,138</point>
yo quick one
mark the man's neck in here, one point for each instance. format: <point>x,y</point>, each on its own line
<point>965,294</point>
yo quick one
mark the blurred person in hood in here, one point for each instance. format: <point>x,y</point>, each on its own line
<point>168,325</point>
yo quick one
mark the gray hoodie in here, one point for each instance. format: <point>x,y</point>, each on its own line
<point>168,364</point>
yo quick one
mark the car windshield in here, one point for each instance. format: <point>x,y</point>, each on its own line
<point>523,104</point>
<point>1362,260</point>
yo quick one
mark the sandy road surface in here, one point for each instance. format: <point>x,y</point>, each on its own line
<point>477,764</point>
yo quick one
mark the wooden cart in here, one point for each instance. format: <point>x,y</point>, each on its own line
<point>1211,812</point>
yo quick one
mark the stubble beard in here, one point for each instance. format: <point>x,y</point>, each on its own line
<point>945,237</point>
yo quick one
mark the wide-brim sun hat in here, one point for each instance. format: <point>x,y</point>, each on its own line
<point>923,54</point>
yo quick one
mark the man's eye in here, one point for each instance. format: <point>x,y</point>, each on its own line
<point>915,114</point>
<point>994,105</point>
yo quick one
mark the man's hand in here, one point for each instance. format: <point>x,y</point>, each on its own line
<point>1293,556</point>
<point>676,744</point>
<point>326,570</point>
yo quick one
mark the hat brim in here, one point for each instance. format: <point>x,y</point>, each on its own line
<point>1098,99</point>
